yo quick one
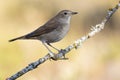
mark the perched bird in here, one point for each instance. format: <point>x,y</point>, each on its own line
<point>52,31</point>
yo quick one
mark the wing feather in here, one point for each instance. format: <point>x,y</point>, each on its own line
<point>48,27</point>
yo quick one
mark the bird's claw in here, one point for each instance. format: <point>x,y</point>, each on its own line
<point>53,56</point>
<point>63,58</point>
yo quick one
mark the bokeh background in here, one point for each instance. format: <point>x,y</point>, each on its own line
<point>97,59</point>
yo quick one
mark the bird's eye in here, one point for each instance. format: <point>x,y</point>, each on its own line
<point>65,13</point>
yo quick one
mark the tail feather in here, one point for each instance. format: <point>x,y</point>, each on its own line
<point>22,37</point>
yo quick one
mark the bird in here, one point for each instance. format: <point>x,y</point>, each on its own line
<point>52,31</point>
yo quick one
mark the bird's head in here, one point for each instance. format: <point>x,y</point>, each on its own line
<point>65,15</point>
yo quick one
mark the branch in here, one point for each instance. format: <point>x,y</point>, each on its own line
<point>94,29</point>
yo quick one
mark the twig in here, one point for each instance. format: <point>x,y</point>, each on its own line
<point>95,29</point>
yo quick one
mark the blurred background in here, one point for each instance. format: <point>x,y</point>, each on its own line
<point>97,59</point>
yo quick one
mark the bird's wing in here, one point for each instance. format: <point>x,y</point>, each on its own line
<point>48,27</point>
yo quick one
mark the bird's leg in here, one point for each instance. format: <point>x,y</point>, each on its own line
<point>53,47</point>
<point>61,51</point>
<point>50,52</point>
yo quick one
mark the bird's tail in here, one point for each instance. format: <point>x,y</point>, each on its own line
<point>21,37</point>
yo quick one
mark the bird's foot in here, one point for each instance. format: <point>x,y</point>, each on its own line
<point>54,57</point>
<point>63,58</point>
<point>51,55</point>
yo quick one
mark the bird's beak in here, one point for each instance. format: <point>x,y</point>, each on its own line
<point>73,13</point>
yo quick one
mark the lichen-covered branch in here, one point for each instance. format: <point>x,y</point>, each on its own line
<point>94,29</point>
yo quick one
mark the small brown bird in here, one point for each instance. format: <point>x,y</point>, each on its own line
<point>52,31</point>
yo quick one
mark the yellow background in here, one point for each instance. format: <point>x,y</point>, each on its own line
<point>97,59</point>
